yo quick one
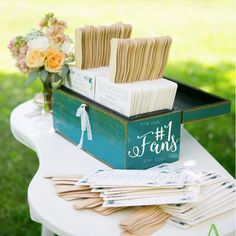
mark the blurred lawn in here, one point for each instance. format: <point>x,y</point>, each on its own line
<point>202,55</point>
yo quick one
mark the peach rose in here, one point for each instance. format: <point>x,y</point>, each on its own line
<point>35,58</point>
<point>54,60</point>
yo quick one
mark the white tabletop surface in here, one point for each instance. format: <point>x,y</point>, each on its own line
<point>59,156</point>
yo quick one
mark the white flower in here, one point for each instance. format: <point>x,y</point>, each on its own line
<point>66,47</point>
<point>40,43</point>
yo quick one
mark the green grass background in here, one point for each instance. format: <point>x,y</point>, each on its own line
<point>202,54</point>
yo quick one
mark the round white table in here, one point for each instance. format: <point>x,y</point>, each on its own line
<point>58,156</point>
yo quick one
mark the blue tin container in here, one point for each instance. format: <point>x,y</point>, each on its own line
<point>137,142</point>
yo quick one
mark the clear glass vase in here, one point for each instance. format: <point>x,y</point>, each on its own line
<point>43,104</point>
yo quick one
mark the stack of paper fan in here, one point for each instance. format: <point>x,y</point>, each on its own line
<point>214,200</point>
<point>181,196</point>
<point>84,81</point>
<point>128,99</point>
<point>153,187</point>
<point>164,186</point>
<point>93,44</point>
<point>216,196</point>
<point>136,98</point>
<point>122,188</point>
<point>138,59</point>
<point>131,82</point>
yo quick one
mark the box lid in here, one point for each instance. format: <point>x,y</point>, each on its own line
<point>196,104</point>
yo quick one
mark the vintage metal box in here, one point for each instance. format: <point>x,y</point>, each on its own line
<point>138,142</point>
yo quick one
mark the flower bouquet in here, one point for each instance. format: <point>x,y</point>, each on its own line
<point>44,53</point>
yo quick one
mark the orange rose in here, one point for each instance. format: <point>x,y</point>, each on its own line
<point>54,60</point>
<point>35,58</point>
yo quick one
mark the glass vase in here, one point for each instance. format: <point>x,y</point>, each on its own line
<point>43,102</point>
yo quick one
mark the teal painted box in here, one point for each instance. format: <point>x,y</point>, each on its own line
<point>137,142</point>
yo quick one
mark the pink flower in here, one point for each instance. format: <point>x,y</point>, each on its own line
<point>23,50</point>
<point>10,45</point>
<point>62,23</point>
<point>56,34</point>
<point>22,67</point>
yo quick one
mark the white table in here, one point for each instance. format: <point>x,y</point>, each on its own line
<point>57,155</point>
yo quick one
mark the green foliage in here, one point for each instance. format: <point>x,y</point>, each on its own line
<point>32,77</point>
<point>20,40</point>
<point>65,75</point>
<point>43,74</point>
<point>201,55</point>
<point>64,71</point>
<point>56,80</point>
<point>18,164</point>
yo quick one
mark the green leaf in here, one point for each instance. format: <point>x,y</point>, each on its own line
<point>68,80</point>
<point>56,77</point>
<point>56,84</point>
<point>64,71</point>
<point>63,81</point>
<point>60,73</point>
<point>66,75</point>
<point>32,77</point>
<point>56,81</point>
<point>43,75</point>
